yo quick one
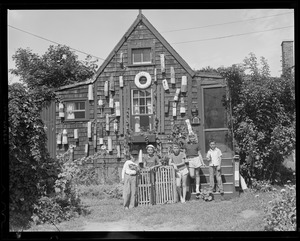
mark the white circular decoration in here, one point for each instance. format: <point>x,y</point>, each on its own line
<point>142,80</point>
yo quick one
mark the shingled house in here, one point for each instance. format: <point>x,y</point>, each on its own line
<point>142,90</point>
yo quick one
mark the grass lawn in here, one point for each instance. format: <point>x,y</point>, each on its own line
<point>244,213</point>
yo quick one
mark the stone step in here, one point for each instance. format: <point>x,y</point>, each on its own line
<point>204,178</point>
<point>224,170</point>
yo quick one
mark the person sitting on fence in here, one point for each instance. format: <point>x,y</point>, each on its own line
<point>151,160</point>
<point>177,159</point>
<point>129,173</point>
<point>194,158</point>
<point>214,158</point>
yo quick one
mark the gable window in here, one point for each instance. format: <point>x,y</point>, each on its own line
<point>141,52</point>
<point>142,110</point>
<point>141,56</point>
<point>76,110</point>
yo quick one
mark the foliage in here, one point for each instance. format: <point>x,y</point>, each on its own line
<point>31,170</point>
<point>281,211</point>
<point>101,191</point>
<point>263,118</point>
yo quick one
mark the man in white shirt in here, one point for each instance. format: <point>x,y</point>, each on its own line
<point>214,158</point>
<point>129,174</point>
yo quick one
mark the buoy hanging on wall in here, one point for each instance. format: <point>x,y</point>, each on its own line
<point>107,122</point>
<point>183,84</point>
<point>111,103</point>
<point>165,84</point>
<point>121,59</point>
<point>176,97</point>
<point>174,109</point>
<point>90,93</point>
<point>121,81</point>
<point>155,78</point>
<point>172,75</point>
<point>111,83</point>
<point>116,126</point>
<point>86,149</point>
<point>118,151</point>
<point>100,134</point>
<point>188,123</point>
<point>89,129</point>
<point>118,111</point>
<point>61,110</point>
<point>65,137</point>
<point>182,107</point>
<point>162,63</point>
<point>76,134</point>
<point>59,137</point>
<point>100,103</point>
<point>106,88</point>
<point>109,144</point>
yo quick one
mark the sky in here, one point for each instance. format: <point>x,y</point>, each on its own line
<point>202,37</point>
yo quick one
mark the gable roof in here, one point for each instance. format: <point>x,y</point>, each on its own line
<point>143,19</point>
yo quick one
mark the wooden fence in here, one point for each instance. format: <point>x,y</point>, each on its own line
<point>157,186</point>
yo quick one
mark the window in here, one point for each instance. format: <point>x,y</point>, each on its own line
<point>75,110</point>
<point>141,56</point>
<point>141,111</point>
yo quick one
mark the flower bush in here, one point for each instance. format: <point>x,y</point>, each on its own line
<point>281,211</point>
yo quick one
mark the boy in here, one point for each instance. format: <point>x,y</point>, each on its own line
<point>214,158</point>
<point>129,174</point>
<point>151,159</point>
<point>194,159</point>
<point>177,159</point>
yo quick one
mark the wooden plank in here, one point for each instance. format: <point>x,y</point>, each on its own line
<point>162,109</point>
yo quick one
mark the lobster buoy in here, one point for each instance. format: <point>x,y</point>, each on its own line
<point>121,81</point>
<point>59,137</point>
<point>117,104</point>
<point>172,75</point>
<point>65,137</point>
<point>90,93</point>
<point>76,134</point>
<point>162,63</point>
<point>106,88</point>
<point>89,129</point>
<point>176,97</point>
<point>109,144</point>
<point>61,110</point>
<point>165,84</point>
<point>183,84</point>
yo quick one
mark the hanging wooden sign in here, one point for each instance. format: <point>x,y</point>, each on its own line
<point>176,97</point>
<point>111,83</point>
<point>165,84</point>
<point>89,129</point>
<point>172,75</point>
<point>65,137</point>
<point>106,88</point>
<point>61,110</point>
<point>90,93</point>
<point>162,63</point>
<point>76,134</point>
<point>117,106</point>
<point>107,122</point>
<point>109,144</point>
<point>184,84</point>
<point>121,81</point>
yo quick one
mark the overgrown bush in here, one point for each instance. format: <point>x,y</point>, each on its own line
<point>281,211</point>
<point>101,191</point>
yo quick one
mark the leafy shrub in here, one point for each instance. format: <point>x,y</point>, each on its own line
<point>281,211</point>
<point>261,186</point>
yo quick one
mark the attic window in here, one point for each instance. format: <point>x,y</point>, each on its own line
<point>141,56</point>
